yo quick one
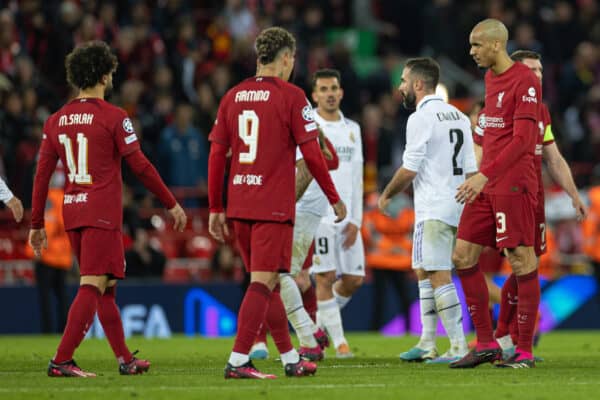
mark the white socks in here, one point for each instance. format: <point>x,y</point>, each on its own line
<point>297,315</point>
<point>429,315</point>
<point>329,317</point>
<point>505,342</point>
<point>291,357</point>
<point>341,300</point>
<point>450,312</point>
<point>238,359</point>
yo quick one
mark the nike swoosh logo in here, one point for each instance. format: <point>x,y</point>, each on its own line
<point>501,239</point>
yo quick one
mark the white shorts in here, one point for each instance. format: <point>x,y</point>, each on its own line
<point>331,256</point>
<point>305,229</point>
<point>433,243</point>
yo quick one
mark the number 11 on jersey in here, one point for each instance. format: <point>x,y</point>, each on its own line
<point>77,173</point>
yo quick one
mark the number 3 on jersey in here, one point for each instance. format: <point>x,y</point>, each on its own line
<point>248,132</point>
<point>77,173</point>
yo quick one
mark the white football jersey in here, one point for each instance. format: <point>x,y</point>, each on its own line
<point>345,136</point>
<point>439,148</point>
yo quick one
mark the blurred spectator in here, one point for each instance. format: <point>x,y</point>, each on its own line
<point>240,21</point>
<point>388,241</point>
<point>142,259</point>
<point>224,263</point>
<point>51,269</point>
<point>183,153</point>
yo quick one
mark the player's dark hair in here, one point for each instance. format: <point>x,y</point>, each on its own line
<point>326,73</point>
<point>271,42</point>
<point>426,68</point>
<point>521,55</point>
<point>87,64</point>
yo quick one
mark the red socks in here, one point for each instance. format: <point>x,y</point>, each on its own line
<point>262,334</point>
<point>251,316</point>
<point>277,323</point>
<point>309,298</point>
<point>110,318</point>
<point>527,309</point>
<point>81,316</point>
<point>508,306</point>
<point>477,297</point>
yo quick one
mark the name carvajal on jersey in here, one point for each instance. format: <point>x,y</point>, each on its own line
<point>248,179</point>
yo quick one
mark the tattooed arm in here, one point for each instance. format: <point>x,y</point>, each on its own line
<point>303,178</point>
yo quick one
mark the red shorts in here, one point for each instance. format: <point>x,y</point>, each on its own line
<point>98,251</point>
<point>264,245</point>
<point>540,229</point>
<point>309,257</point>
<point>490,260</point>
<point>499,221</point>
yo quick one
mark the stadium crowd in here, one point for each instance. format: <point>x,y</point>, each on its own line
<point>177,58</point>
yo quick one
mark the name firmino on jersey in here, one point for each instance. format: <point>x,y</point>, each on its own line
<point>75,119</point>
<point>252,95</point>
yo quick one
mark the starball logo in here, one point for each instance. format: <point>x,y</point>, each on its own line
<point>531,98</point>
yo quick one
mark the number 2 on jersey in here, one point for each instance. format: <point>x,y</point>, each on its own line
<point>77,173</point>
<point>459,142</point>
<point>248,132</point>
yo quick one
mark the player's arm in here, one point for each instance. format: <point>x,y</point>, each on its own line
<point>46,165</point>
<point>477,136</point>
<point>216,172</point>
<point>11,201</point>
<point>303,176</point>
<point>471,162</point>
<point>561,173</point>
<point>148,175</point>
<point>351,230</point>
<point>418,132</point>
<point>478,151</point>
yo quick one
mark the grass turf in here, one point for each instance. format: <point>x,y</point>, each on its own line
<point>192,368</point>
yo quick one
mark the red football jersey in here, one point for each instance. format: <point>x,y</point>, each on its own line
<point>90,136</point>
<point>263,119</point>
<point>512,95</point>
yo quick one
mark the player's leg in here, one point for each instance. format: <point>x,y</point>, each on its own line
<point>438,243</point>
<point>517,223</point>
<point>324,268</point>
<point>507,316</point>
<point>309,299</point>
<point>304,230</point>
<point>253,310</point>
<point>259,350</point>
<point>476,230</point>
<point>82,310</point>
<point>425,349</point>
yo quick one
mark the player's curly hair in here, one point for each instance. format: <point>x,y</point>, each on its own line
<point>271,41</point>
<point>87,64</point>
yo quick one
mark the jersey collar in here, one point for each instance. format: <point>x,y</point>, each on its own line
<point>321,121</point>
<point>427,99</point>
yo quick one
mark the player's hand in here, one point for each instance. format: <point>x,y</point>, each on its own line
<point>180,218</point>
<point>217,226</point>
<point>339,209</point>
<point>470,189</point>
<point>350,233</point>
<point>383,202</point>
<point>580,209</point>
<point>38,241</point>
<point>16,207</point>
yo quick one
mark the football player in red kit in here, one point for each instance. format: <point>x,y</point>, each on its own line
<point>501,198</point>
<point>262,120</point>
<point>91,136</point>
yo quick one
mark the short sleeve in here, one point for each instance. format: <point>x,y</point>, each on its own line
<point>219,132</point>
<point>528,95</point>
<point>302,120</point>
<point>418,133</point>
<point>479,129</point>
<point>548,134</point>
<point>124,134</point>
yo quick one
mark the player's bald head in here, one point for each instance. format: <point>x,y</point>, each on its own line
<point>491,29</point>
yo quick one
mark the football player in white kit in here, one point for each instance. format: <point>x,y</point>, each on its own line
<point>339,251</point>
<point>438,156</point>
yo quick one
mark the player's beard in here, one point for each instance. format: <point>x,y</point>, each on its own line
<point>410,101</point>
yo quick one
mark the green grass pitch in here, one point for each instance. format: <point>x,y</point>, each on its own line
<point>192,368</point>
